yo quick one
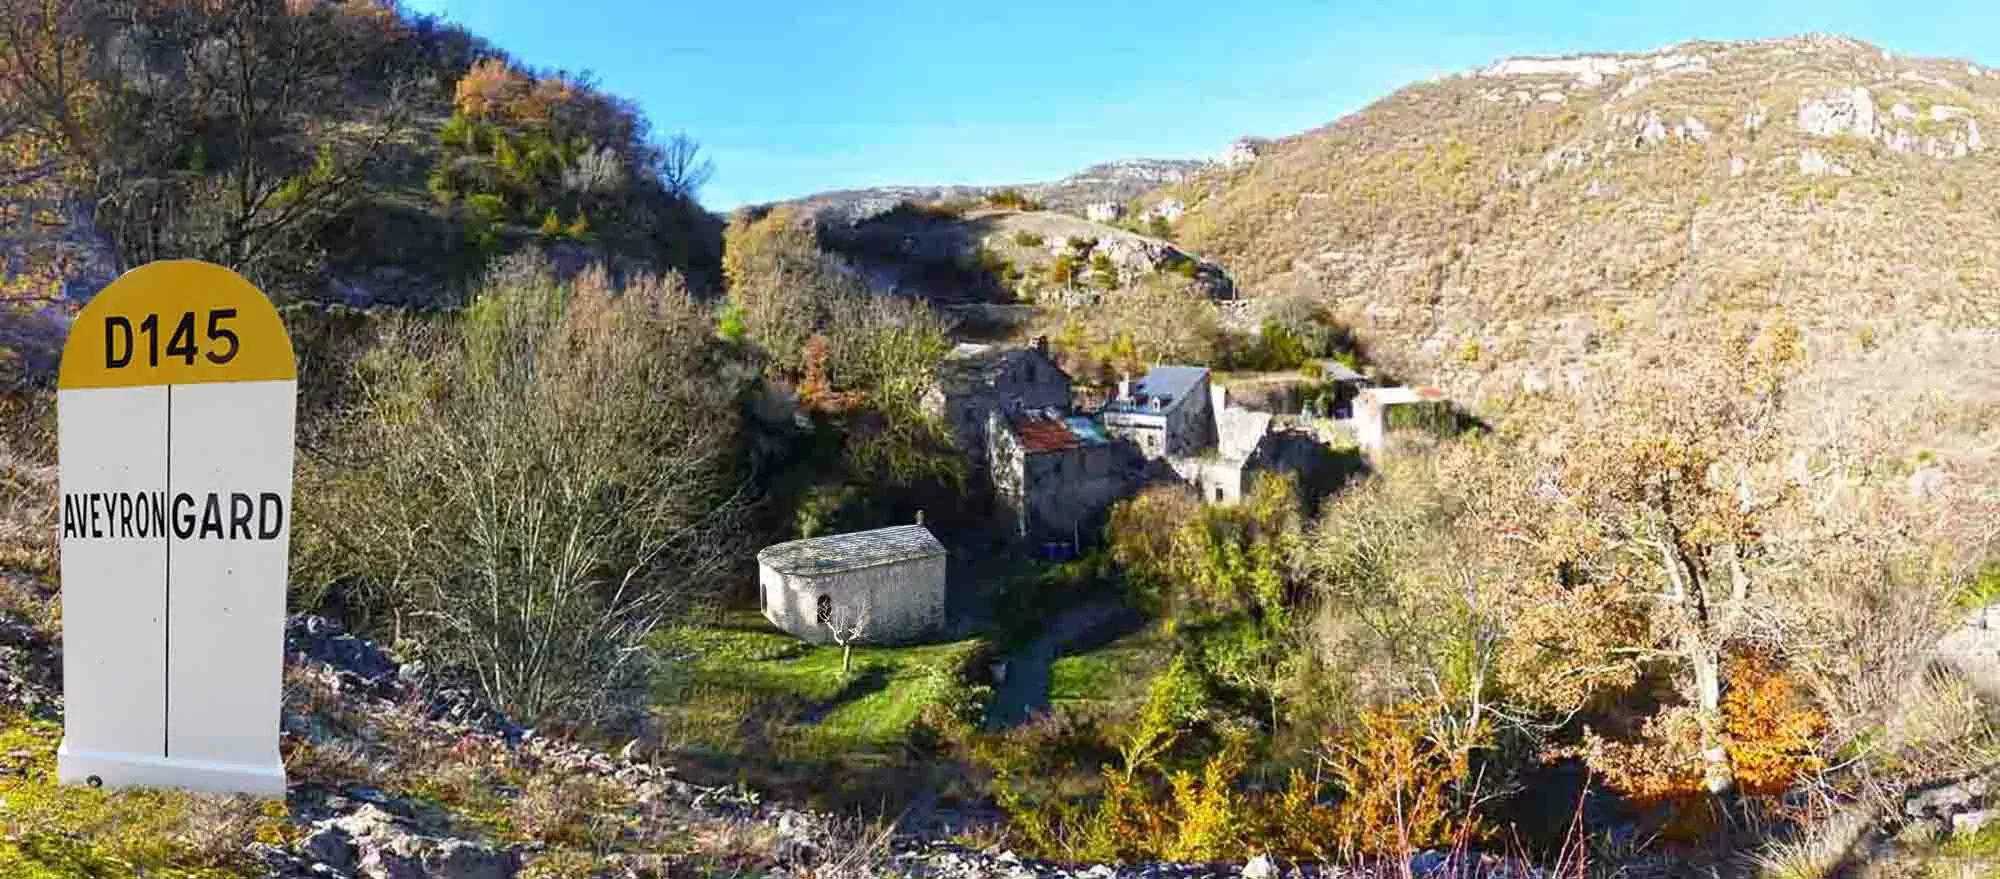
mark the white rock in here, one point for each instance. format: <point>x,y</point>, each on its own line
<point>1260,867</point>
<point>1902,112</point>
<point>1695,130</point>
<point>1632,87</point>
<point>1968,823</point>
<point>1843,111</point>
<point>1972,138</point>
<point>1567,158</point>
<point>1681,63</point>
<point>1754,119</point>
<point>1551,97</point>
<point>1651,130</point>
<point>1899,140</point>
<point>1738,166</point>
<point>1587,66</point>
<point>1926,482</point>
<point>1947,112</point>
<point>1533,382</point>
<point>1813,163</point>
<point>1914,76</point>
<point>1242,152</point>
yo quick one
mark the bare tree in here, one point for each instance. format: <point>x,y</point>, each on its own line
<point>682,168</point>
<point>849,624</point>
<point>580,440</point>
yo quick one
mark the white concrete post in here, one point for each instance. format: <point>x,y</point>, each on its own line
<point>175,412</point>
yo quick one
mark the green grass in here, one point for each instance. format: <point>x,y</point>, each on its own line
<point>51,830</point>
<point>745,666</point>
<point>1115,672</point>
<point>1983,843</point>
<point>1984,589</point>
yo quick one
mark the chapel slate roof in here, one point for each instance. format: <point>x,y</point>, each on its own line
<point>835,553</point>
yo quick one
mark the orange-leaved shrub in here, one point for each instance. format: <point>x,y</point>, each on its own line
<point>1402,787</point>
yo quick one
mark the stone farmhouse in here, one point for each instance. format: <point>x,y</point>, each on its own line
<point>893,579</point>
<point>1218,448</point>
<point>1224,475</point>
<point>1380,411</point>
<point>976,381</point>
<point>1166,414</point>
<point>1055,474</point>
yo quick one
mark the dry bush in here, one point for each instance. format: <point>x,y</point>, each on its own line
<point>1162,319</point>
<point>28,506</point>
<point>855,849</point>
<point>1818,851</point>
<point>533,486</point>
<point>571,812</point>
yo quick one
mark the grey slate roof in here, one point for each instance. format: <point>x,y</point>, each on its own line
<point>973,369</point>
<point>1167,384</point>
<point>852,551</point>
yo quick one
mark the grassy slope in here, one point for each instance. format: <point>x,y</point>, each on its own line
<point>1115,673</point>
<point>745,670</point>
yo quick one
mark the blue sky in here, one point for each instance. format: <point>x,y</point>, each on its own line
<point>792,98</point>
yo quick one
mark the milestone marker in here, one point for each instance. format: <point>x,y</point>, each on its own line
<point>175,415</point>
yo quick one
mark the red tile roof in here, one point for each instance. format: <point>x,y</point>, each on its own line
<point>1040,434</point>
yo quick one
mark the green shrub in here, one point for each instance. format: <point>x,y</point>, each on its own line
<point>1013,199</point>
<point>1062,271</point>
<point>1984,589</point>
<point>1025,238</point>
<point>486,208</point>
<point>1103,272</point>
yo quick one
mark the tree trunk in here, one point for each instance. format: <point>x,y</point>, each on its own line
<point>846,659</point>
<point>1718,774</point>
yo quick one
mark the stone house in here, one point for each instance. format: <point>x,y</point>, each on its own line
<point>893,577</point>
<point>1224,476</point>
<point>975,381</point>
<point>1165,414</point>
<point>1054,475</point>
<point>1381,411</point>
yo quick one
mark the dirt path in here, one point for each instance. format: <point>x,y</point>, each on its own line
<point>1025,692</point>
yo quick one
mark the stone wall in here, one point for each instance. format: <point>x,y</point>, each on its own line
<point>1147,432</point>
<point>905,600</point>
<point>1057,495</point>
<point>1031,383</point>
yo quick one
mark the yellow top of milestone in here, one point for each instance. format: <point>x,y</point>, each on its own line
<point>177,322</point>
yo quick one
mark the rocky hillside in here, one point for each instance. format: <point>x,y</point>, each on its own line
<point>1110,182</point>
<point>953,257</point>
<point>1532,228</point>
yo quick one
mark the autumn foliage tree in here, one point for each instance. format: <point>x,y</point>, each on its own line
<point>1642,544</point>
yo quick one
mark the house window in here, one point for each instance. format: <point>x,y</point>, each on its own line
<point>825,610</point>
<point>1218,494</point>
